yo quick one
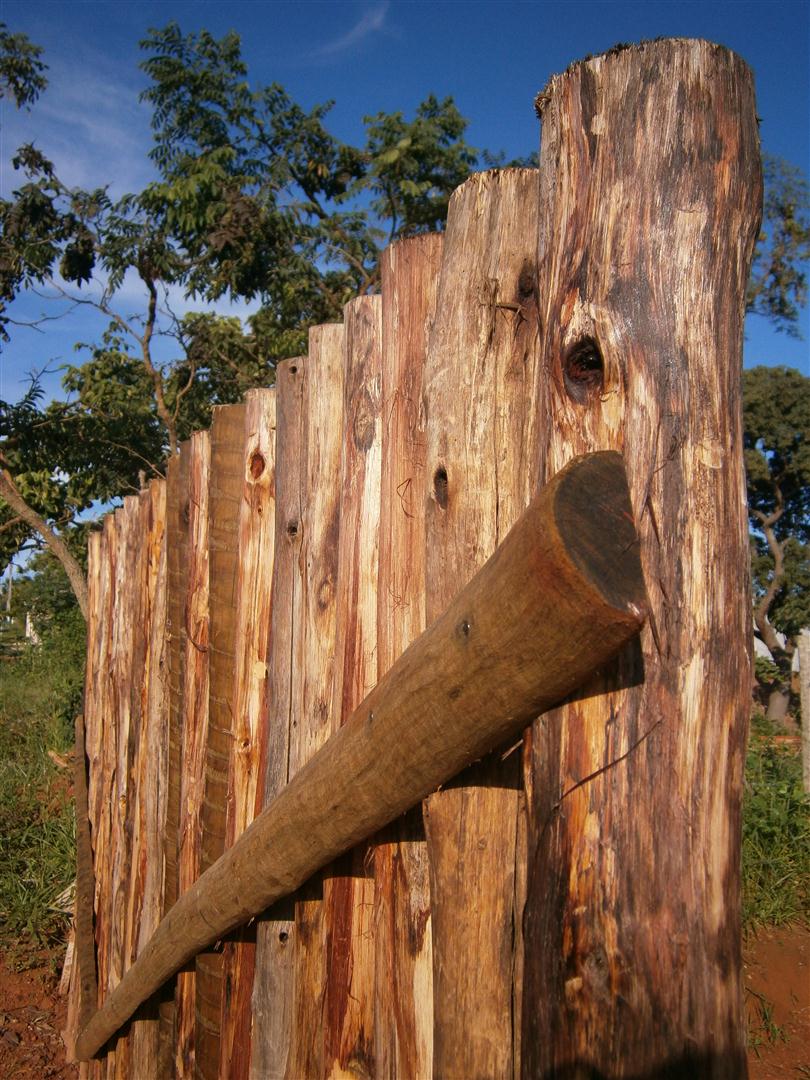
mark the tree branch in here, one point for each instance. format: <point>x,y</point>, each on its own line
<point>9,492</point>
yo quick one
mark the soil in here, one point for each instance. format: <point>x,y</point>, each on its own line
<point>777,982</point>
<point>32,1016</point>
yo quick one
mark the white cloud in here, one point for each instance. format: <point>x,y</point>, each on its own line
<point>89,123</point>
<point>370,22</point>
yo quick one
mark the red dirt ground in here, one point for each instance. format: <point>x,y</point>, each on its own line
<point>32,1014</point>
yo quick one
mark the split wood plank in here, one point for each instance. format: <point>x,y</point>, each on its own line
<point>469,682</point>
<point>253,708</point>
<point>480,389</point>
<point>348,884</point>
<point>152,770</point>
<point>633,921</point>
<point>177,510</point>
<point>225,492</point>
<point>273,979</point>
<point>310,721</point>
<point>193,720</point>
<point>403,993</point>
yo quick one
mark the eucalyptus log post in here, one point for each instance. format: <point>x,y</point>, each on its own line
<point>253,708</point>
<point>650,202</point>
<point>314,667</point>
<point>273,979</point>
<point>348,884</point>
<point>403,989</point>
<point>193,719</point>
<point>152,763</point>
<point>494,659</point>
<point>224,497</point>
<point>176,571</point>
<point>480,393</point>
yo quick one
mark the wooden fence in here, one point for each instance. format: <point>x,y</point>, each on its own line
<point>571,901</point>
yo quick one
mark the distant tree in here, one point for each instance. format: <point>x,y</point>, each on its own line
<point>777,460</point>
<point>22,73</point>
<point>778,285</point>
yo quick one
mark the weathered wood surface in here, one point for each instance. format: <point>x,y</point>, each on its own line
<point>177,478</point>
<point>145,901</point>
<point>349,883</point>
<point>403,990</point>
<point>275,935</point>
<point>481,392</point>
<point>310,720</point>
<point>193,720</point>
<point>253,707</point>
<point>469,682</point>
<point>225,492</point>
<point>633,921</point>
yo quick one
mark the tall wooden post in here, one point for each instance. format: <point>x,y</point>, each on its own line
<point>479,389</point>
<point>224,500</point>
<point>348,885</point>
<point>275,936</point>
<point>403,989</point>
<point>650,191</point>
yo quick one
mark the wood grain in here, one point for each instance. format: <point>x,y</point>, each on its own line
<point>225,491</point>
<point>469,682</point>
<point>349,884</point>
<point>194,721</point>
<point>480,393</point>
<point>275,935</point>
<point>403,992</point>
<point>253,708</point>
<point>633,918</point>
<point>310,720</point>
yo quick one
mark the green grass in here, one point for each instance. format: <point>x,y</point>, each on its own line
<point>776,834</point>
<point>40,690</point>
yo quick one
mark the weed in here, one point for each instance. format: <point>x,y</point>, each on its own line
<point>776,834</point>
<point>40,689</point>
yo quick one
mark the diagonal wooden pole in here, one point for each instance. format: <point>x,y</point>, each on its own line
<point>557,599</point>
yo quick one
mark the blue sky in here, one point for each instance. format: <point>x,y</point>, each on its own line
<point>370,56</point>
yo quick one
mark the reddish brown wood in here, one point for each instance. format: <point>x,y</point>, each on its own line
<point>469,682</point>
<point>403,994</point>
<point>480,392</point>
<point>253,709</point>
<point>273,980</point>
<point>310,721</point>
<point>225,492</point>
<point>349,884</point>
<point>194,720</point>
<point>650,185</point>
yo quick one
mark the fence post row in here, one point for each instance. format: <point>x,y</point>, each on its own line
<point>338,602</point>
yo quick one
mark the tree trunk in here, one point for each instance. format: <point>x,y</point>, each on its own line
<point>778,704</point>
<point>650,190</point>
<point>8,491</point>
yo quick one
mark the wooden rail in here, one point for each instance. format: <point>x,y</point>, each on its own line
<point>556,601</point>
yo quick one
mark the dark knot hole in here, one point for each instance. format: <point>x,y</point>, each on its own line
<point>583,371</point>
<point>440,486</point>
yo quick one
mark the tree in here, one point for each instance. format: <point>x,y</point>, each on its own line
<point>778,285</point>
<point>22,73</point>
<point>777,459</point>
